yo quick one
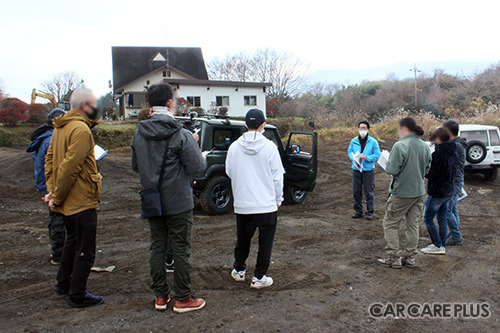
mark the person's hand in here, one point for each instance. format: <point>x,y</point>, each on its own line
<point>196,137</point>
<point>362,156</point>
<point>47,197</point>
<point>51,203</point>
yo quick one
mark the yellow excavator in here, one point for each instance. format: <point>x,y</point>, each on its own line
<point>63,105</point>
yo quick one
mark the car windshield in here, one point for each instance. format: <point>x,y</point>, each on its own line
<point>475,136</point>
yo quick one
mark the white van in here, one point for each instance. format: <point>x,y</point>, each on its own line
<point>483,149</point>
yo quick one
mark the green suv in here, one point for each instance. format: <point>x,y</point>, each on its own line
<point>213,187</point>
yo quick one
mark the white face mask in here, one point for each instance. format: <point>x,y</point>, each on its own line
<point>363,133</point>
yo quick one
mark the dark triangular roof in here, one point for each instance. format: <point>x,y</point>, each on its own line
<point>132,62</point>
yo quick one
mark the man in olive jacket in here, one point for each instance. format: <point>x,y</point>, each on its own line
<point>158,135</point>
<point>74,189</point>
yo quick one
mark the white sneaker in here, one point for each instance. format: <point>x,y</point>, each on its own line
<point>266,281</point>
<point>433,249</point>
<point>238,276</point>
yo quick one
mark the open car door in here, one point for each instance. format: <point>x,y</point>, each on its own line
<point>301,161</point>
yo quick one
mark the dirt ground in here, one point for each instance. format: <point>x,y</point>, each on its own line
<point>323,262</point>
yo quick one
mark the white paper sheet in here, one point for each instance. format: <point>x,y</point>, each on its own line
<point>462,195</point>
<point>358,163</point>
<point>99,153</point>
<point>384,157</point>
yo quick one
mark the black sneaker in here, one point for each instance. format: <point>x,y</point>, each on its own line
<point>357,216</point>
<point>85,301</point>
<point>170,266</point>
<point>369,216</point>
<point>60,291</point>
<point>453,241</point>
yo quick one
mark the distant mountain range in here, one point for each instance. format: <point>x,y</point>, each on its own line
<point>399,71</point>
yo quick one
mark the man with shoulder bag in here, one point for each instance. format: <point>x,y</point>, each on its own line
<point>166,156</point>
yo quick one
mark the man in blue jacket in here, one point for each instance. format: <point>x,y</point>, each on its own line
<point>40,141</point>
<point>367,150</point>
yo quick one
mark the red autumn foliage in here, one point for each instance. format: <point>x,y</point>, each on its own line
<point>13,111</point>
<point>37,113</point>
<point>272,107</point>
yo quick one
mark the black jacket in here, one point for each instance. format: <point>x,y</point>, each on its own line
<point>184,160</point>
<point>443,170</point>
<point>461,144</point>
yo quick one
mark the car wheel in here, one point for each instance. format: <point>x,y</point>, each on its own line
<point>491,174</point>
<point>217,197</point>
<point>475,152</point>
<point>294,196</point>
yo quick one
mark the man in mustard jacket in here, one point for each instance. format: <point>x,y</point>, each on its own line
<point>74,189</point>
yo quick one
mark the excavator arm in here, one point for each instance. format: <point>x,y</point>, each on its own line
<point>42,94</point>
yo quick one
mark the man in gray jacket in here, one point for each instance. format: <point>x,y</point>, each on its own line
<point>184,159</point>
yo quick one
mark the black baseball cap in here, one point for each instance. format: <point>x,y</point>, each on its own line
<point>254,118</point>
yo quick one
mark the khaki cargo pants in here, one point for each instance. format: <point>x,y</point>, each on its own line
<point>399,210</point>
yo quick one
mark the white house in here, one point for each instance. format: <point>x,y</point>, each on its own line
<point>135,68</point>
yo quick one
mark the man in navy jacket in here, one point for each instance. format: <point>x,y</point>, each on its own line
<point>40,141</point>
<point>362,174</point>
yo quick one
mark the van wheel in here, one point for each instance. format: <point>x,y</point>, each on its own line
<point>475,152</point>
<point>490,174</point>
<point>294,196</point>
<point>217,197</point>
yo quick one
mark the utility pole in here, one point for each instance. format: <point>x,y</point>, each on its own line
<point>415,70</point>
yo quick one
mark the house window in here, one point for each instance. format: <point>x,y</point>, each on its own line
<point>136,100</point>
<point>167,74</point>
<point>250,100</point>
<point>194,100</point>
<point>222,100</point>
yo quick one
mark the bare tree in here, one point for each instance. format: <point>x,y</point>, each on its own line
<point>61,85</point>
<point>3,94</point>
<point>286,72</point>
<point>237,67</point>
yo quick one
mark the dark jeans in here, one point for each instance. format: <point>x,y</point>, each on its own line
<point>79,252</point>
<point>57,234</point>
<point>437,206</point>
<point>363,181</point>
<point>245,229</point>
<point>178,227</point>
<point>453,217</point>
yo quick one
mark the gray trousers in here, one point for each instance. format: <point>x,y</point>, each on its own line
<point>363,181</point>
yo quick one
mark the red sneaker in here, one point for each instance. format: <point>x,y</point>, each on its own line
<point>161,303</point>
<point>189,305</point>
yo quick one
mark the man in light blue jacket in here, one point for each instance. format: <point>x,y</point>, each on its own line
<point>366,148</point>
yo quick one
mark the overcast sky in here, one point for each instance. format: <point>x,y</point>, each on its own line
<point>38,38</point>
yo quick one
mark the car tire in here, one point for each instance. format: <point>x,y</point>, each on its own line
<point>475,152</point>
<point>490,174</point>
<point>217,197</point>
<point>294,196</point>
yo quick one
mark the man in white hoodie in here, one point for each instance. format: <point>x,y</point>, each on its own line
<point>254,165</point>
